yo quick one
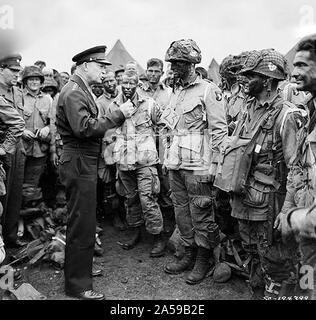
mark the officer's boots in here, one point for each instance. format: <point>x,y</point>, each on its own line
<point>201,267</point>
<point>135,238</point>
<point>181,265</point>
<point>159,246</point>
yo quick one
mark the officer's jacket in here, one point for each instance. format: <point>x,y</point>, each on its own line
<point>77,117</point>
<point>301,181</point>
<point>272,156</point>
<point>197,122</point>
<point>11,126</point>
<point>37,110</point>
<point>13,98</point>
<point>135,144</point>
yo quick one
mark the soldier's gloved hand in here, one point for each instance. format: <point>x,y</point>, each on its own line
<point>44,133</point>
<point>28,135</point>
<point>2,250</point>
<point>127,108</point>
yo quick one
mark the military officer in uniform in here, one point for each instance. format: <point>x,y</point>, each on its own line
<point>13,162</point>
<point>81,131</point>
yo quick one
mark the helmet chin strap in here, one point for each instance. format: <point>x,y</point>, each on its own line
<point>268,89</point>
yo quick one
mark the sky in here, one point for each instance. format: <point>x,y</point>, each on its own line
<point>55,30</point>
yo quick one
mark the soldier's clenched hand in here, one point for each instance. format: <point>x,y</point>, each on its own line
<point>127,108</point>
<point>43,133</point>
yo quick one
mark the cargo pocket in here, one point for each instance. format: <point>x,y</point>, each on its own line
<point>146,149</point>
<point>202,202</point>
<point>203,205</point>
<point>194,113</point>
<point>190,146</point>
<point>256,194</point>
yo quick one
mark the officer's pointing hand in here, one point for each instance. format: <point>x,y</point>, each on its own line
<point>127,108</point>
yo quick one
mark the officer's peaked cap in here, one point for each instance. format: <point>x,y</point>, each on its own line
<point>11,61</point>
<point>96,54</point>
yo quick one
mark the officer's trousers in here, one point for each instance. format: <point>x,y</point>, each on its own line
<point>14,167</point>
<point>78,173</point>
<point>193,206</point>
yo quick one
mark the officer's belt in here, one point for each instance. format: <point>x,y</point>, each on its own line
<point>81,148</point>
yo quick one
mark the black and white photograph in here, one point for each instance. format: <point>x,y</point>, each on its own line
<point>157,155</point>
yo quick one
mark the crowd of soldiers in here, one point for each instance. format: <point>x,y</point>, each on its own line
<point>182,152</point>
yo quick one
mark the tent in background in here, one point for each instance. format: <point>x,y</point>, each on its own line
<point>119,56</point>
<point>291,54</point>
<point>213,72</point>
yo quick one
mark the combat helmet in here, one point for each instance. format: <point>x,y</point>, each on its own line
<point>50,83</point>
<point>230,67</point>
<point>184,50</point>
<point>32,71</point>
<point>267,62</point>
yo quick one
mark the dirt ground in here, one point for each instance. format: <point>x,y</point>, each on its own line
<point>131,275</point>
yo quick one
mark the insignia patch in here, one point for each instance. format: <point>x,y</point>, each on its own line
<point>170,118</point>
<point>219,96</point>
<point>271,66</point>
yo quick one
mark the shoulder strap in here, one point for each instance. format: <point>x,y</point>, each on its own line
<point>265,125</point>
